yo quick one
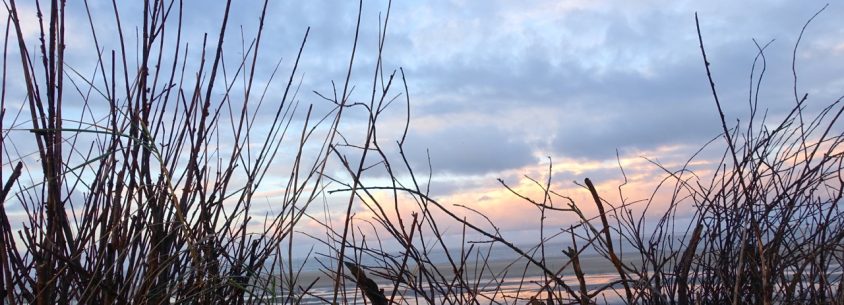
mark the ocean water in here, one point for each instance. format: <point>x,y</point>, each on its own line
<point>504,279</point>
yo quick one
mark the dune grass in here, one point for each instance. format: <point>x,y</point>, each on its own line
<point>144,192</point>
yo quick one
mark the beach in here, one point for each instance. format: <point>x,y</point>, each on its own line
<point>506,279</point>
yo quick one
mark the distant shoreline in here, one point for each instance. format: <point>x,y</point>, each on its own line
<point>593,265</point>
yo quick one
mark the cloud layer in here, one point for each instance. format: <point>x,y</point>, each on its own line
<point>497,86</point>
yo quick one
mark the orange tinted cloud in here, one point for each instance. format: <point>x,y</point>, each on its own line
<point>482,193</point>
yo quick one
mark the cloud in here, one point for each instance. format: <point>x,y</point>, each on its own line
<point>467,148</point>
<point>628,77</point>
<point>495,86</point>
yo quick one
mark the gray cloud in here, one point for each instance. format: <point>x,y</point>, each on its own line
<point>470,149</point>
<point>618,78</point>
<point>508,81</point>
<point>618,75</point>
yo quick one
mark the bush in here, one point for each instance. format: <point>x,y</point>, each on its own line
<point>144,194</point>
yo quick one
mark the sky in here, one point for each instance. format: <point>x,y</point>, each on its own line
<point>499,88</point>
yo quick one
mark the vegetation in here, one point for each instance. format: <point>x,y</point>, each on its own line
<point>147,174</point>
